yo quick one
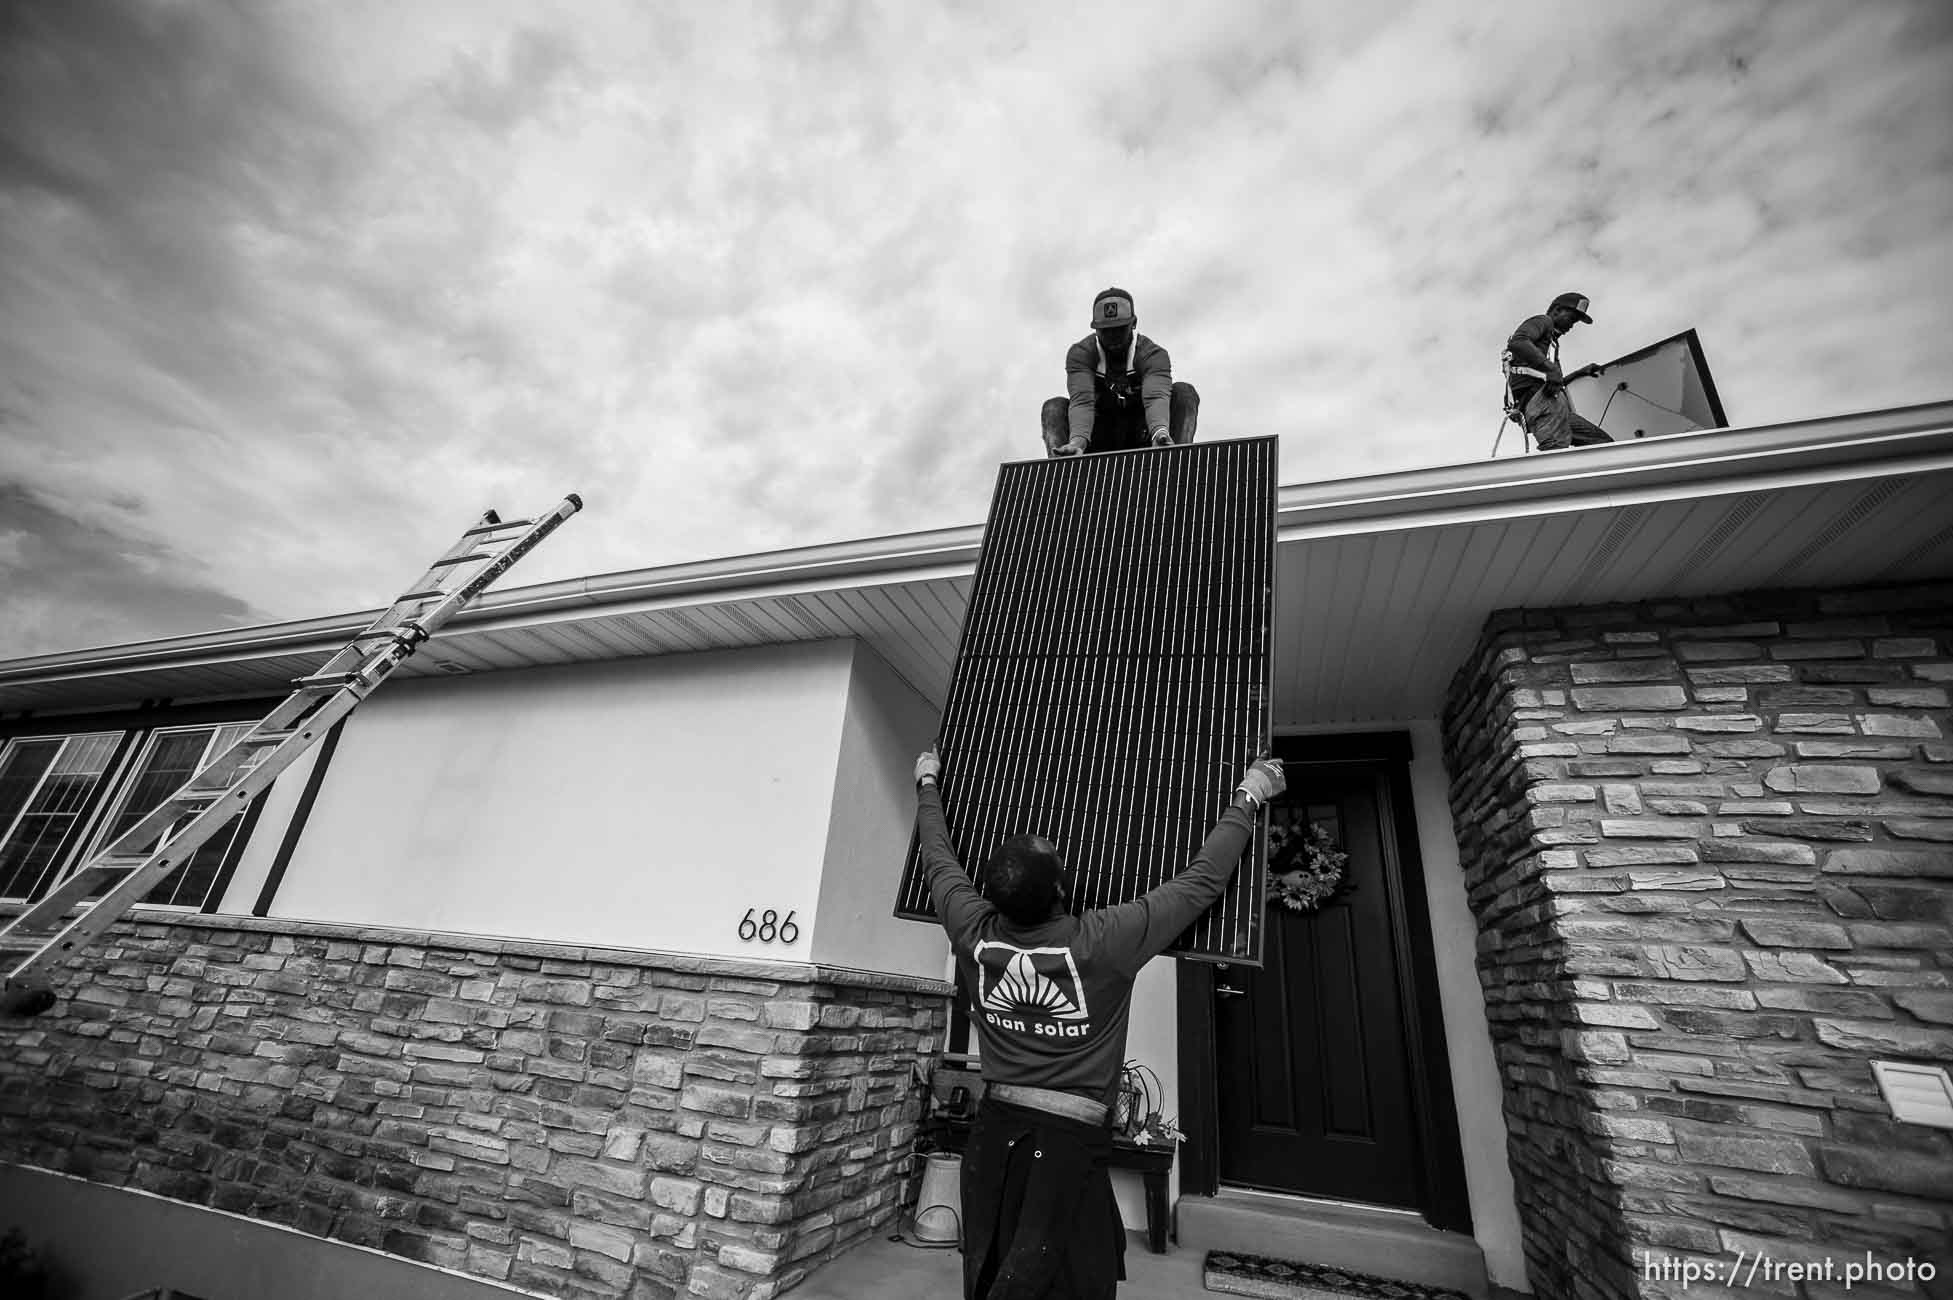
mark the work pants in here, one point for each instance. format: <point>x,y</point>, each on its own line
<point>1551,420</point>
<point>1039,1220</point>
<point>1123,428</point>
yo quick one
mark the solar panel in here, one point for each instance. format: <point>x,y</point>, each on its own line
<point>1111,682</point>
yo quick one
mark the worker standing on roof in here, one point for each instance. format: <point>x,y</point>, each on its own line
<point>1121,392</point>
<point>1535,388</point>
<point>1052,992</point>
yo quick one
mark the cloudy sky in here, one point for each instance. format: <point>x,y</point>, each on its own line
<point>290,292</point>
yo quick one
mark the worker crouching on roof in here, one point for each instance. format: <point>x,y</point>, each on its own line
<point>1121,393</point>
<point>1535,388</point>
<point>1051,994</point>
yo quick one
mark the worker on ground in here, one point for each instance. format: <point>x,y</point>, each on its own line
<point>1535,388</point>
<point>1051,994</point>
<point>1121,393</point>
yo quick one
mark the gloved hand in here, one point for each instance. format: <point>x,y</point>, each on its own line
<point>1161,438</point>
<point>927,764</point>
<point>1583,372</point>
<point>1072,448</point>
<point>1263,780</point>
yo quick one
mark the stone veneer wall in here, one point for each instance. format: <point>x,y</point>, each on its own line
<point>1709,845</point>
<point>585,1123</point>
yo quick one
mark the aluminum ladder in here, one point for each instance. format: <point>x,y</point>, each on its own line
<point>134,862</point>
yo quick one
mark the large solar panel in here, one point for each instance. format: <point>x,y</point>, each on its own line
<point>1112,678</point>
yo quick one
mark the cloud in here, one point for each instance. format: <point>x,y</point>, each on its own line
<point>498,96</point>
<point>67,583</point>
<point>307,288</point>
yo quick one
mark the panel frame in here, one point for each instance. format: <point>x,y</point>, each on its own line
<point>1010,665</point>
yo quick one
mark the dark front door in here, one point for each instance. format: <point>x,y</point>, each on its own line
<point>1314,1087</point>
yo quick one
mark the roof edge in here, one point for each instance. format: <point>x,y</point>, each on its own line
<point>823,565</point>
<point>1863,444</point>
<point>1853,445</point>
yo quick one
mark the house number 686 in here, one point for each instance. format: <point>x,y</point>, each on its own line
<point>768,928</point>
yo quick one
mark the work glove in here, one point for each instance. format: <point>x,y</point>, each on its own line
<point>1262,781</point>
<point>1072,448</point>
<point>1161,438</point>
<point>1582,373</point>
<point>928,765</point>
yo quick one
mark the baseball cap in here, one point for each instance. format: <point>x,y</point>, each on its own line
<point>1578,302</point>
<point>1112,309</point>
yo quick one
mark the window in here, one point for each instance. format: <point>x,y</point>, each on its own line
<point>169,758</point>
<point>47,784</point>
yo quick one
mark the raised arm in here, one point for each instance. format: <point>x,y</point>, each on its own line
<point>1141,930</point>
<point>1156,388</point>
<point>1081,369</point>
<point>958,905</point>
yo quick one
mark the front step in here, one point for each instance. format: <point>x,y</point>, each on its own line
<point>1395,1244</point>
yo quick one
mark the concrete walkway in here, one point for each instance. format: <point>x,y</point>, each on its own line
<point>880,1269</point>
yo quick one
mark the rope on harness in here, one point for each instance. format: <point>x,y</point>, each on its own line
<point>1525,438</point>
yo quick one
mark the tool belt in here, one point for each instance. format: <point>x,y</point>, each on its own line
<point>1067,1104</point>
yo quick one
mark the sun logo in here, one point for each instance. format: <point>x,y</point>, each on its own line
<point>1029,981</point>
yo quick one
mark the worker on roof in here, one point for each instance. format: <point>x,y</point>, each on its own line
<point>1051,994</point>
<point>1121,390</point>
<point>1535,390</point>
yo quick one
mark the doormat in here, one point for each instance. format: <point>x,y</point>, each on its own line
<point>1281,1279</point>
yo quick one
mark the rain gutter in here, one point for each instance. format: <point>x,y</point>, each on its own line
<point>1913,439</point>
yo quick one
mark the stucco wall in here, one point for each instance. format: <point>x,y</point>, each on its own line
<point>641,803</point>
<point>1153,1040</point>
<point>260,853</point>
<point>1707,845</point>
<point>1475,1087</point>
<point>887,724</point>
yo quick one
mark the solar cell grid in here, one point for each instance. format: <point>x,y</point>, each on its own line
<point>1111,680</point>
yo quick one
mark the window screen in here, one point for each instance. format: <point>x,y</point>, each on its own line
<point>169,759</point>
<point>46,784</point>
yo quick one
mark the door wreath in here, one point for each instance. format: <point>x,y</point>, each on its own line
<point>1306,868</point>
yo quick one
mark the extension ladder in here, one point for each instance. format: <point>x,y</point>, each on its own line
<point>135,861</point>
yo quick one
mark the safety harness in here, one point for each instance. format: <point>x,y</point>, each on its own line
<point>1510,367</point>
<point>1132,351</point>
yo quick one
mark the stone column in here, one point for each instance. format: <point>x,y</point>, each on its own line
<point>1709,844</point>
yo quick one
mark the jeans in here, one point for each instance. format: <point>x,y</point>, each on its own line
<point>1553,423</point>
<point>1122,428</point>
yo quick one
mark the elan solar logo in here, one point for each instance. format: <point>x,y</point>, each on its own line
<point>1030,990</point>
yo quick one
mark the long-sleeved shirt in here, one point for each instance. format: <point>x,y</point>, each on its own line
<point>1052,1000</point>
<point>1145,369</point>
